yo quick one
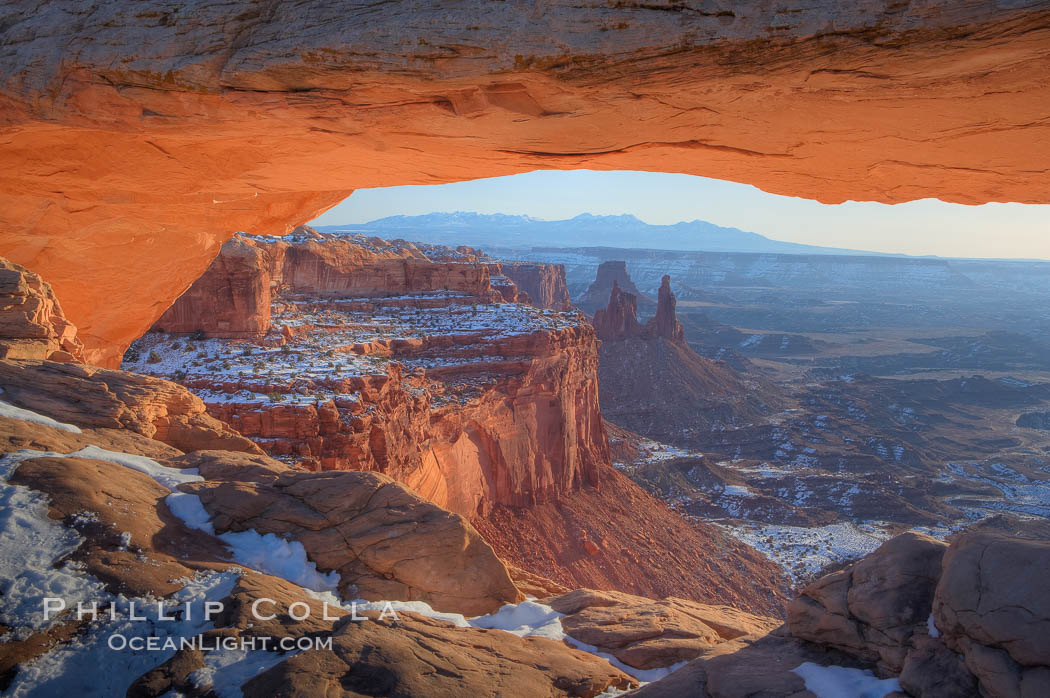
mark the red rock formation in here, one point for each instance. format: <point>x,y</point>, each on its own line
<point>504,419</point>
<point>544,283</point>
<point>653,383</point>
<point>530,431</point>
<point>159,134</point>
<point>504,288</point>
<point>428,554</point>
<point>665,323</point>
<point>32,325</point>
<point>611,274</point>
<point>620,319</point>
<point>98,397</point>
<point>233,297</point>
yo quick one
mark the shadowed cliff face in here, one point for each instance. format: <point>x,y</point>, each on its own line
<point>138,137</point>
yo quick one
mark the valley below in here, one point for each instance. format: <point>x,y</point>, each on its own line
<point>885,394</point>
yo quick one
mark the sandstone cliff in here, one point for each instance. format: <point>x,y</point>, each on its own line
<point>489,409</point>
<point>32,323</point>
<point>233,297</point>
<point>543,283</point>
<point>421,377</point>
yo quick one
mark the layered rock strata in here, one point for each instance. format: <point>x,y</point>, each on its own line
<point>378,358</point>
<point>32,323</point>
<point>233,297</point>
<point>543,283</point>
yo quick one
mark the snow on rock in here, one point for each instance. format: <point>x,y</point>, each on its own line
<point>226,670</point>
<point>168,477</point>
<point>273,555</point>
<point>61,671</point>
<point>269,554</point>
<point>9,410</point>
<point>31,547</point>
<point>931,627</point>
<point>644,676</point>
<point>525,619</point>
<point>843,682</point>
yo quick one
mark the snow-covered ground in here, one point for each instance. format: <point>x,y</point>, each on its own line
<point>803,552</point>
<point>650,451</point>
<point>332,342</point>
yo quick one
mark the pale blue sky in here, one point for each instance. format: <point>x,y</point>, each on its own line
<point>921,227</point>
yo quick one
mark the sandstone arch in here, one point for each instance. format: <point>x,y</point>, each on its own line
<point>137,137</point>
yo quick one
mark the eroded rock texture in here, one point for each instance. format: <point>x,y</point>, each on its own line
<point>385,541</point>
<point>969,618</point>
<point>414,371</point>
<point>32,324</point>
<point>646,634</point>
<point>543,283</point>
<point>108,399</point>
<point>872,609</point>
<point>138,137</point>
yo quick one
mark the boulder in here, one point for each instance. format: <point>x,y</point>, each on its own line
<point>991,607</point>
<point>32,324</point>
<point>647,634</point>
<point>872,608</point>
<point>749,667</point>
<point>385,541</point>
<point>417,656</point>
<point>931,670</point>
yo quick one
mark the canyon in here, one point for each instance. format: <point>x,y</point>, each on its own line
<point>385,356</point>
<point>200,509</point>
<point>140,518</point>
<point>817,406</point>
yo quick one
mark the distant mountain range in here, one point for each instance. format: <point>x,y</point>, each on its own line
<point>585,230</point>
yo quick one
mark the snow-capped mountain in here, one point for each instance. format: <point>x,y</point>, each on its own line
<point>584,230</point>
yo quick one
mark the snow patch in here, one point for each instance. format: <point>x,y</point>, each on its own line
<point>843,682</point>
<point>9,410</point>
<point>226,670</point>
<point>931,627</point>
<point>32,545</point>
<point>168,477</point>
<point>64,669</point>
